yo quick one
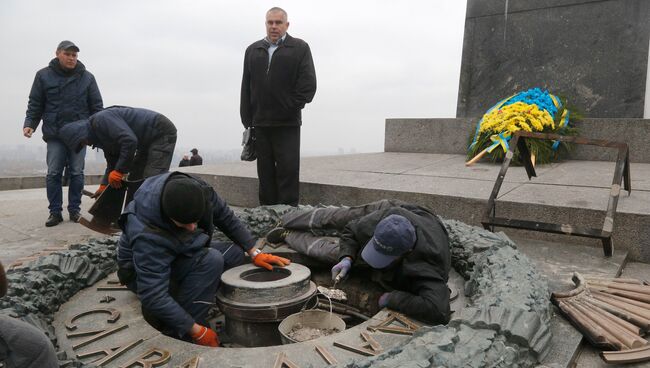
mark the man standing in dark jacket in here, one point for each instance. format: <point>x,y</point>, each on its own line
<point>166,253</point>
<point>196,159</point>
<point>62,92</point>
<point>406,243</point>
<point>279,79</point>
<point>136,141</point>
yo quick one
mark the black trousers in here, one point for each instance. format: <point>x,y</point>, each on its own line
<point>157,157</point>
<point>278,164</point>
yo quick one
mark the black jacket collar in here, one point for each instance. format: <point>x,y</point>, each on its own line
<point>288,42</point>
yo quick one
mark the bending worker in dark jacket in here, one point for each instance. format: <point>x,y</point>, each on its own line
<point>167,241</point>
<point>136,141</point>
<point>406,242</point>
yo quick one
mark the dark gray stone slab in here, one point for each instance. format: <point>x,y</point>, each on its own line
<point>593,52</point>
<point>496,7</point>
<point>429,135</point>
<point>451,136</point>
<point>634,132</point>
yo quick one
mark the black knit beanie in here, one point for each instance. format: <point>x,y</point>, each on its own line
<point>182,200</point>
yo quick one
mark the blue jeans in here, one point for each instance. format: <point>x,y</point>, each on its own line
<point>58,155</point>
<point>197,278</point>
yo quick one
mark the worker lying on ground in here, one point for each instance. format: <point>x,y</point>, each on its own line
<point>166,253</point>
<point>406,243</point>
<point>135,141</point>
<point>21,344</point>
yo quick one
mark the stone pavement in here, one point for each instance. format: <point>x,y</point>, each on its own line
<point>22,225</point>
<point>569,192</point>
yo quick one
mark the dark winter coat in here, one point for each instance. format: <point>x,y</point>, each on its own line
<point>59,97</point>
<point>420,277</point>
<point>274,95</point>
<point>118,131</point>
<point>184,163</point>
<point>196,160</point>
<point>150,242</point>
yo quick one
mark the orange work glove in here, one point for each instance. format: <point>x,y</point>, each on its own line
<point>206,337</point>
<point>115,179</point>
<point>265,260</point>
<point>99,191</point>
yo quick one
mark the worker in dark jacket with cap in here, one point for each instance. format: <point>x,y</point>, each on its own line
<point>166,253</point>
<point>135,141</point>
<point>407,243</point>
<point>196,159</point>
<point>62,92</point>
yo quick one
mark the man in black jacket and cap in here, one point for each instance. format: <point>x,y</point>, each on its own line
<point>135,141</point>
<point>62,92</point>
<point>279,79</point>
<point>196,159</point>
<point>406,245</point>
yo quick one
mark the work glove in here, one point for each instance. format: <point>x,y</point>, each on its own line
<point>206,337</point>
<point>342,269</point>
<point>99,191</point>
<point>266,259</point>
<point>383,300</point>
<point>115,179</point>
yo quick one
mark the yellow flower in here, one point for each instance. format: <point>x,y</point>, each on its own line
<point>514,117</point>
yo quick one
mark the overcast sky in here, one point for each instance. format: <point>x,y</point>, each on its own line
<point>374,59</point>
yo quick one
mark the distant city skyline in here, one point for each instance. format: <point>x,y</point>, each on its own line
<point>375,59</point>
<point>28,160</point>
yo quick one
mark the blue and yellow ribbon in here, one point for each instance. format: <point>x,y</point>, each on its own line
<point>500,139</point>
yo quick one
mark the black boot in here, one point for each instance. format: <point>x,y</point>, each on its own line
<point>75,216</point>
<point>277,235</point>
<point>54,219</point>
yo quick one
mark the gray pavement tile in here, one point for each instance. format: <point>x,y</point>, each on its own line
<point>240,168</point>
<point>454,187</point>
<point>383,162</point>
<point>594,174</point>
<point>454,167</point>
<point>578,197</point>
<point>341,177</point>
<point>22,224</point>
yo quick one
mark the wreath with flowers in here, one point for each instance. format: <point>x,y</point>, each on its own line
<point>534,110</point>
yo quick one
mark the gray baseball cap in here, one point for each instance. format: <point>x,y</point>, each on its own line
<point>393,236</point>
<point>67,45</point>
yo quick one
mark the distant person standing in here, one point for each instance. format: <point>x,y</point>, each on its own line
<point>279,79</point>
<point>196,159</point>
<point>185,161</point>
<point>62,92</point>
